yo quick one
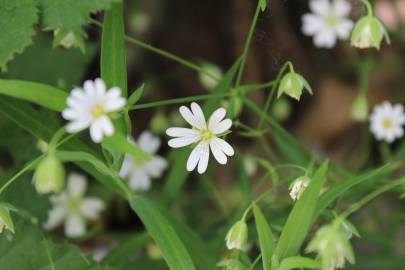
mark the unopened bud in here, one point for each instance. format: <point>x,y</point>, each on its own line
<point>49,175</point>
<point>293,84</point>
<point>237,236</point>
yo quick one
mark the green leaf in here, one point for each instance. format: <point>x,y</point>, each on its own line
<point>135,96</point>
<point>38,93</point>
<point>263,5</point>
<point>299,262</point>
<point>338,190</point>
<point>120,143</point>
<point>300,217</point>
<point>17,18</point>
<point>178,173</point>
<point>163,233</point>
<point>51,71</point>
<point>113,64</point>
<point>28,249</point>
<point>266,238</point>
<point>70,15</point>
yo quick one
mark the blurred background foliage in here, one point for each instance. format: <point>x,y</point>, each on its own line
<point>214,32</point>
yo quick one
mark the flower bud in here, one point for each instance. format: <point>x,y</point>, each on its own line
<point>5,219</point>
<point>206,81</point>
<point>67,39</point>
<point>237,236</point>
<point>332,247</point>
<point>360,108</point>
<point>281,109</point>
<point>292,84</point>
<point>49,175</point>
<point>298,187</point>
<point>368,33</point>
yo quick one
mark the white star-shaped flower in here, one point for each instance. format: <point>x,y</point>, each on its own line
<point>386,121</point>
<point>140,172</point>
<point>204,135</point>
<point>91,108</point>
<point>298,187</point>
<point>72,208</point>
<point>327,22</point>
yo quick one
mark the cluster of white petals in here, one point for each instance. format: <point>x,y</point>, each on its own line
<point>90,108</point>
<point>72,208</point>
<point>204,135</point>
<point>327,22</point>
<point>140,172</point>
<point>386,121</point>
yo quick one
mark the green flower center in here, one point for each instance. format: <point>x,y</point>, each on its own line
<point>74,204</point>
<point>97,110</point>
<point>206,135</point>
<point>387,124</point>
<point>331,21</point>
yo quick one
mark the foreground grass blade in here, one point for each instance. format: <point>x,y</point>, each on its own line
<point>178,174</point>
<point>120,143</point>
<point>266,239</point>
<point>338,190</point>
<point>47,96</point>
<point>163,233</point>
<point>113,64</point>
<point>298,263</point>
<point>300,217</point>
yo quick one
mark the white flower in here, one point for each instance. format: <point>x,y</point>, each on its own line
<point>298,187</point>
<point>327,22</point>
<point>91,107</point>
<point>386,121</point>
<point>205,136</point>
<point>72,208</point>
<point>140,172</point>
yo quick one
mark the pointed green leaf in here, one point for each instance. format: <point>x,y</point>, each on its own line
<point>292,235</point>
<point>299,263</point>
<point>266,238</point>
<point>163,233</point>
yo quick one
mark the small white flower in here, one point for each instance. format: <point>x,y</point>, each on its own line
<point>140,172</point>
<point>205,136</point>
<point>91,107</point>
<point>327,22</point>
<point>298,187</point>
<point>386,121</point>
<point>72,208</point>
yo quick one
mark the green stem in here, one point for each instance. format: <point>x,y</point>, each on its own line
<point>356,206</point>
<point>368,6</point>
<point>247,45</point>
<point>243,89</point>
<point>272,91</point>
<point>163,53</point>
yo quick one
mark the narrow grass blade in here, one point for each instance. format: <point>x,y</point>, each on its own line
<point>300,217</point>
<point>266,238</point>
<point>161,230</point>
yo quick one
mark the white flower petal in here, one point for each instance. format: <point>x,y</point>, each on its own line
<point>107,125</point>
<point>205,154</point>
<point>344,28</point>
<point>100,87</point>
<point>139,181</point>
<point>221,127</point>
<point>76,185</point>
<point>91,207</point>
<point>224,146</point>
<point>148,142</point>
<point>181,142</point>
<point>55,217</point>
<point>70,114</point>
<point>75,225</point>
<point>127,166</point>
<point>312,24</point>
<point>96,132</point>
<point>182,132</point>
<point>321,7</point>
<point>217,152</point>
<point>326,38</point>
<point>198,114</point>
<point>156,166</point>
<point>194,157</point>
<point>77,126</point>
<point>341,8</point>
<point>90,89</point>
<point>189,117</point>
<point>216,117</point>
